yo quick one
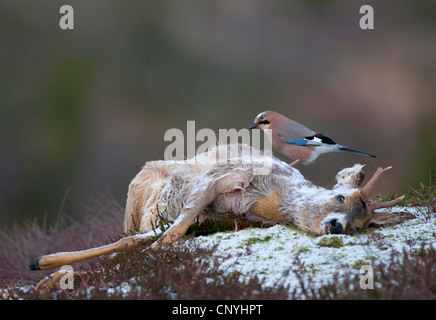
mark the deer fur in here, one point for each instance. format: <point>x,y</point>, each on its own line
<point>223,182</point>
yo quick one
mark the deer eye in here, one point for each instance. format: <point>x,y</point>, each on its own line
<point>340,198</point>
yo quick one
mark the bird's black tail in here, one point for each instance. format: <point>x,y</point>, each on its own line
<point>342,148</point>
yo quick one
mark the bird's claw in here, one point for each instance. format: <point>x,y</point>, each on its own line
<point>294,163</point>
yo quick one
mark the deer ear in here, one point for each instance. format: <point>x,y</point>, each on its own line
<point>352,177</point>
<point>386,219</point>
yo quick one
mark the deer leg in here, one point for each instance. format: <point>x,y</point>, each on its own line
<point>201,196</point>
<point>199,199</point>
<point>177,229</point>
<point>59,259</point>
<point>53,282</point>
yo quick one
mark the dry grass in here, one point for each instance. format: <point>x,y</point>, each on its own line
<point>166,273</point>
<point>23,243</point>
<point>406,277</point>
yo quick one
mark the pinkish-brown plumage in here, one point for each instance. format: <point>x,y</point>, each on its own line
<point>295,140</point>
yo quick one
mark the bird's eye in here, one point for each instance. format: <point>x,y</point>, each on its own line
<point>340,198</point>
<point>262,116</point>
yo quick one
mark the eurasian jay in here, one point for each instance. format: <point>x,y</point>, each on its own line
<point>296,141</point>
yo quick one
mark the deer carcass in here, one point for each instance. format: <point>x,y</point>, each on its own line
<point>224,182</point>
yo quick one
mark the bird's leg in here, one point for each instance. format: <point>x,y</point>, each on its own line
<point>294,163</point>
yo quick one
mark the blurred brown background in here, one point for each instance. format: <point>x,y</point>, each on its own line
<point>82,110</point>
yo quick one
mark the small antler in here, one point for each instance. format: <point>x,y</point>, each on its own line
<point>379,205</point>
<point>366,192</point>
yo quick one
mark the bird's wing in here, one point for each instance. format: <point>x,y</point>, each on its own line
<point>293,130</point>
<point>303,142</point>
<point>314,140</point>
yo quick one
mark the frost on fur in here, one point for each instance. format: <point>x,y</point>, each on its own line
<point>224,182</point>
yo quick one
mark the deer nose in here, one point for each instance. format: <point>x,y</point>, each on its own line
<point>335,227</point>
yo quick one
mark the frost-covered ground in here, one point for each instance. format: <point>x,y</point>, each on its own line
<point>274,254</point>
<point>271,253</point>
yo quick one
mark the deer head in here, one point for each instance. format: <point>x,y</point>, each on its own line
<point>356,211</point>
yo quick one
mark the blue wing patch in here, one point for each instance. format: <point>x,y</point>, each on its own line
<point>299,142</point>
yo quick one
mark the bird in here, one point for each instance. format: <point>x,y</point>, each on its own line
<point>296,141</point>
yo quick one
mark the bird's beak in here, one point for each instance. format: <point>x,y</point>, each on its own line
<point>253,125</point>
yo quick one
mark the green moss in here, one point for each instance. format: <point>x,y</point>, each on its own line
<point>330,241</point>
<point>420,253</point>
<point>210,226</point>
<point>359,264</point>
<point>253,240</point>
<point>303,249</point>
<point>294,228</point>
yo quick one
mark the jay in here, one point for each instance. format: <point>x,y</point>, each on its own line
<point>295,140</point>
